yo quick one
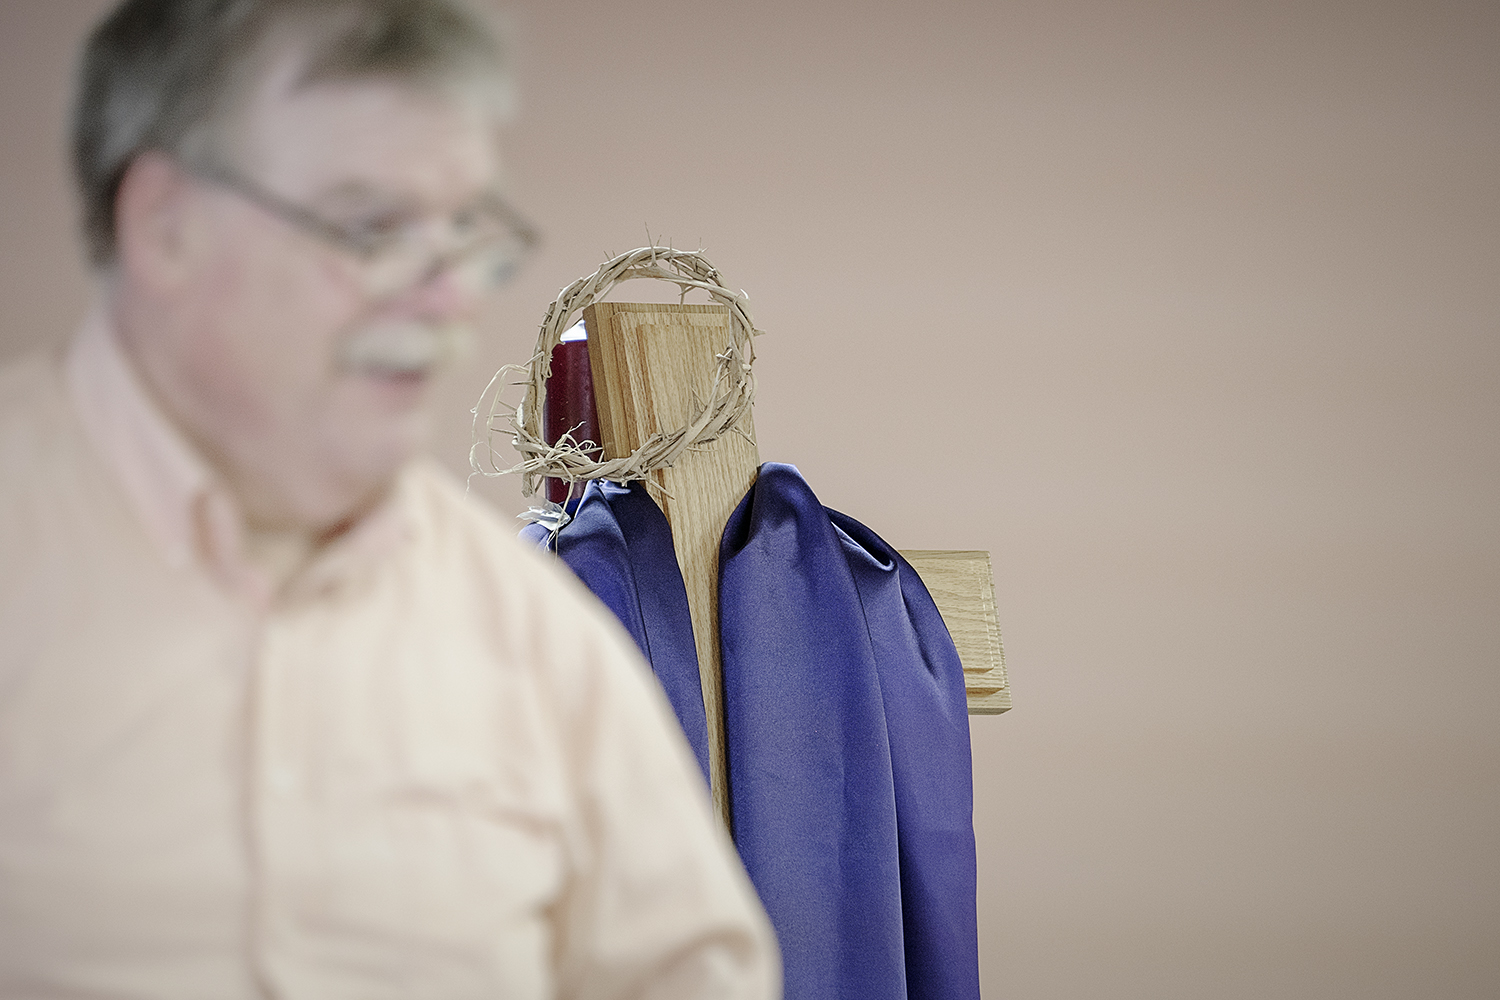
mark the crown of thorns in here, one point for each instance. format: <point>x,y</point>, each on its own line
<point>571,460</point>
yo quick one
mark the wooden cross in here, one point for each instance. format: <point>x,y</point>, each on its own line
<point>652,367</point>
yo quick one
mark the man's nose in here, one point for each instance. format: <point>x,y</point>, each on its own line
<point>441,294</point>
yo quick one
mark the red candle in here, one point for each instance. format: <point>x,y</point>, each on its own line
<point>569,407</point>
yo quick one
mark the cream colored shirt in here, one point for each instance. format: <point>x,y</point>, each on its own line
<point>429,765</point>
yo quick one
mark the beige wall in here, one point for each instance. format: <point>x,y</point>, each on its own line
<point>1188,312</point>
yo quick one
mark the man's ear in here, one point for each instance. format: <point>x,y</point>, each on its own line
<point>153,218</point>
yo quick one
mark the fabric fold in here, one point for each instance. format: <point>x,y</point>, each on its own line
<point>927,726</point>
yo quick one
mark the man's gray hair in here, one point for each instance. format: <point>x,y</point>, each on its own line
<point>157,73</point>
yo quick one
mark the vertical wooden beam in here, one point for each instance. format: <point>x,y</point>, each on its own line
<point>653,368</point>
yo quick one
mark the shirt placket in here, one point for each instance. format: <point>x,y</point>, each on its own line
<point>282,838</point>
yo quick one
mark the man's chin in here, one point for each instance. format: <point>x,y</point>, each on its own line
<point>382,425</point>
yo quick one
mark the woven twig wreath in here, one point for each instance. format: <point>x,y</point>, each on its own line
<point>730,397</point>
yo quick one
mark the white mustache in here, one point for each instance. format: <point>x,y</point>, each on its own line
<point>405,347</point>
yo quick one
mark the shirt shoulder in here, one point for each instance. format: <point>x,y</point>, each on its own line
<point>532,598</point>
<point>63,528</point>
<point>461,527</point>
<point>539,622</point>
<point>40,446</point>
<point>31,401</point>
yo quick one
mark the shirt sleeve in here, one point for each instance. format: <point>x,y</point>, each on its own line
<point>658,905</point>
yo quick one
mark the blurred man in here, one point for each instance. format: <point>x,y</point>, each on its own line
<point>281,713</point>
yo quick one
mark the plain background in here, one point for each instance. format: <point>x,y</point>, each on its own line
<point>1186,311</point>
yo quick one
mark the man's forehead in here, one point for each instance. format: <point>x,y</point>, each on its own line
<point>366,135</point>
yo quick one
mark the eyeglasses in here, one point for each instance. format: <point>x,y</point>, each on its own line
<point>480,246</point>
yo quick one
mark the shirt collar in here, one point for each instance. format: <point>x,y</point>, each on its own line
<point>166,481</point>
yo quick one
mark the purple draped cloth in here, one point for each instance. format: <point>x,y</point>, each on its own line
<point>846,723</point>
